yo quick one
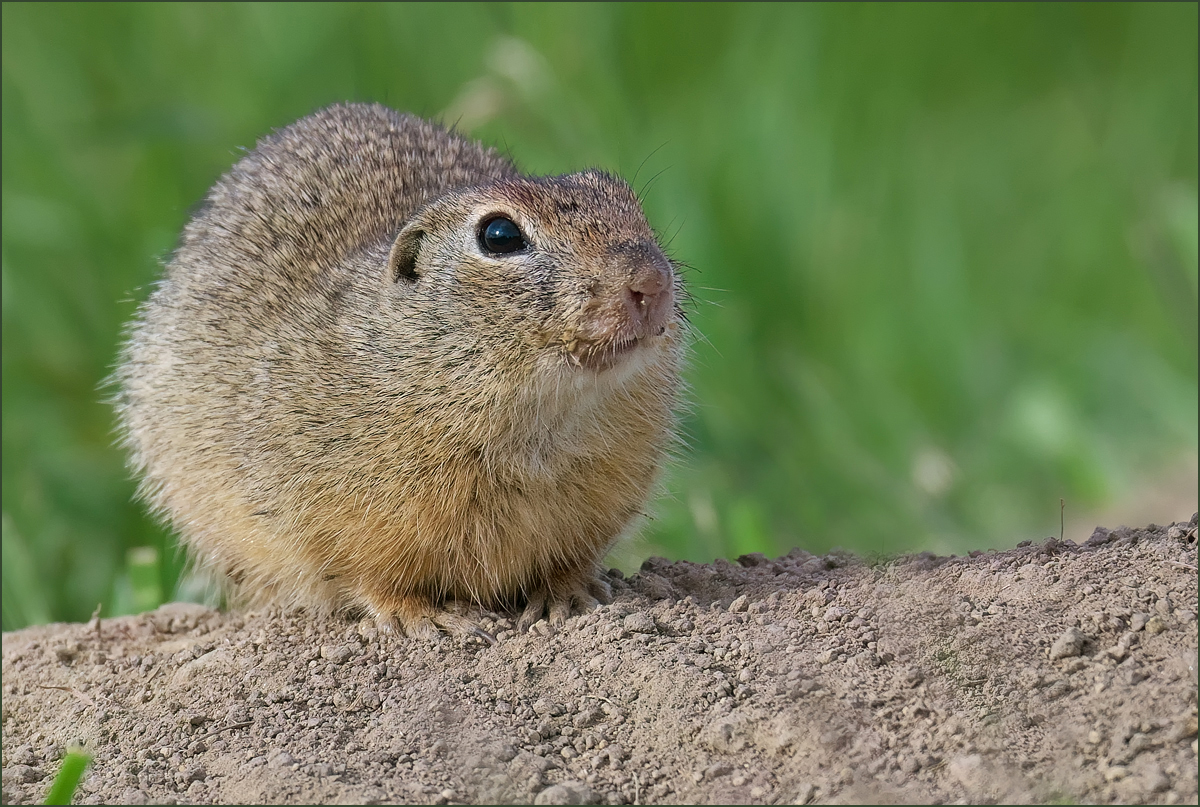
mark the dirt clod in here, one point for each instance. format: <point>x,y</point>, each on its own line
<point>1068,645</point>
<point>566,793</point>
<point>1051,672</point>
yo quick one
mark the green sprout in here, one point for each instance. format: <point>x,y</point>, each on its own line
<point>67,780</point>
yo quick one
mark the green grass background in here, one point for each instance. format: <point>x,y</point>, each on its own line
<point>945,255</point>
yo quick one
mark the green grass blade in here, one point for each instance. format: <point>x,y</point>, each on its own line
<point>67,780</point>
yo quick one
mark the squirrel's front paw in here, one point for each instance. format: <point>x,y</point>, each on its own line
<point>420,618</point>
<point>557,601</point>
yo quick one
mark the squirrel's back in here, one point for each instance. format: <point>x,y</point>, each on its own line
<point>312,193</point>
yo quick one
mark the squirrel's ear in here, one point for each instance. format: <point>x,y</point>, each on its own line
<point>402,261</point>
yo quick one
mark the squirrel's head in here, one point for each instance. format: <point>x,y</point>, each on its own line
<point>562,273</point>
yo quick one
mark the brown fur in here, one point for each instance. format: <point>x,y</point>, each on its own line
<point>339,400</point>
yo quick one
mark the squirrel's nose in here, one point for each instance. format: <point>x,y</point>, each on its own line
<point>649,294</point>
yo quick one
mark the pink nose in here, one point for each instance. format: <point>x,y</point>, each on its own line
<point>649,295</point>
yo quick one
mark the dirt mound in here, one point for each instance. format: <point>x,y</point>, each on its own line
<point>1042,673</point>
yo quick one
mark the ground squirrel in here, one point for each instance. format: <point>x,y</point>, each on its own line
<point>385,371</point>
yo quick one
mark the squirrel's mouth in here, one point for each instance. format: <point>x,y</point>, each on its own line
<point>602,355</point>
<point>611,327</point>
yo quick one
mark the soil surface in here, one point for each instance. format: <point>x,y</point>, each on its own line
<point>1043,673</point>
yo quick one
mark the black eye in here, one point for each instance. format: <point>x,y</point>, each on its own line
<point>501,235</point>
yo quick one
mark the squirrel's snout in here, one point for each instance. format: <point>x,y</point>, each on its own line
<point>631,299</point>
<point>649,295</point>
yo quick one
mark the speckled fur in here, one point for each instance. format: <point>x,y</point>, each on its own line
<point>340,401</point>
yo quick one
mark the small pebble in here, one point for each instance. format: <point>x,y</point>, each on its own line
<point>572,792</point>
<point>1182,730</point>
<point>740,605</point>
<point>1074,665</point>
<point>22,773</point>
<point>716,770</point>
<point>1068,645</point>
<point>834,614</point>
<point>1155,779</point>
<point>966,769</point>
<point>282,760</point>
<point>1132,673</point>
<point>1137,744</point>
<point>640,622</point>
<point>1155,625</point>
<point>338,654</point>
<point>867,659</point>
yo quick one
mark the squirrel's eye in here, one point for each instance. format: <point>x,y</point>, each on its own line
<point>501,235</point>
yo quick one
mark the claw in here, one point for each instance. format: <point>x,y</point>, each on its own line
<point>560,609</point>
<point>420,618</point>
<point>461,627</point>
<point>584,594</point>
<point>482,634</point>
<point>422,628</point>
<point>387,624</point>
<point>533,611</point>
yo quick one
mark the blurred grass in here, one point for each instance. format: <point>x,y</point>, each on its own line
<point>66,781</point>
<point>945,255</point>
